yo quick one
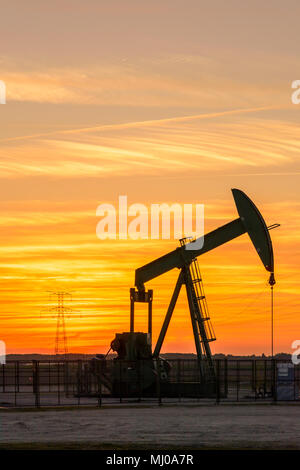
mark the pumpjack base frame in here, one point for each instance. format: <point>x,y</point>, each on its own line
<point>206,365</point>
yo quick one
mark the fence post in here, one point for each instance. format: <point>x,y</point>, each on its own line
<point>99,384</point>
<point>218,382</point>
<point>237,379</point>
<point>265,377</point>
<point>139,373</point>
<point>120,375</point>
<point>78,380</point>
<point>274,377</point>
<point>58,382</point>
<point>18,376</point>
<point>15,382</point>
<point>3,377</point>
<point>294,380</point>
<point>253,380</point>
<point>178,378</point>
<point>49,376</point>
<point>36,382</point>
<point>66,378</point>
<point>226,377</point>
<point>158,388</point>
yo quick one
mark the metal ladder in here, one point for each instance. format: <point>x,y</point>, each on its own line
<point>201,300</point>
<point>201,317</point>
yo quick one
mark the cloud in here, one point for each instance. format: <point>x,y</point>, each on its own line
<point>180,145</point>
<point>170,80</point>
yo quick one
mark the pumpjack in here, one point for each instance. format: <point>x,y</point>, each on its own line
<point>134,348</point>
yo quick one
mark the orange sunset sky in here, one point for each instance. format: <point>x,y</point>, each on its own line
<point>171,101</point>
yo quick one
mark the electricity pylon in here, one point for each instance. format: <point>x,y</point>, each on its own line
<point>61,341</point>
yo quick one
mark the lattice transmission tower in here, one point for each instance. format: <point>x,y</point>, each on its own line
<point>60,311</point>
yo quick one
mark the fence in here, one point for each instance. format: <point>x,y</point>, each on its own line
<point>85,382</point>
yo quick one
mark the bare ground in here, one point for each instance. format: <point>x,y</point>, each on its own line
<point>153,427</point>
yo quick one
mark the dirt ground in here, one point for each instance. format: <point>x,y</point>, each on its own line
<point>166,427</point>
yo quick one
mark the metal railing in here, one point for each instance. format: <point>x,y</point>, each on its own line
<point>86,382</point>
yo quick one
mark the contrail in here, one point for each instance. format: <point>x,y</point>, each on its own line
<point>137,124</point>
